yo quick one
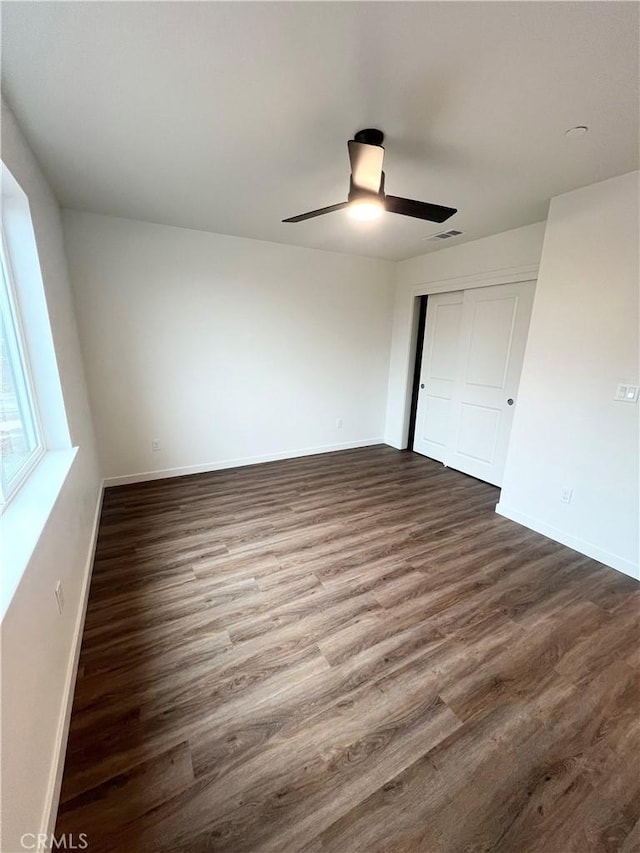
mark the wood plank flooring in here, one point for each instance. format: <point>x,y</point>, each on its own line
<point>349,652</point>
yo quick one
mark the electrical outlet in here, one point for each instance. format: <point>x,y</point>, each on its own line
<point>155,444</point>
<point>338,423</point>
<point>59,593</point>
<point>566,495</point>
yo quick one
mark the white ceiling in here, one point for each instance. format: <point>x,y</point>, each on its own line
<point>229,117</point>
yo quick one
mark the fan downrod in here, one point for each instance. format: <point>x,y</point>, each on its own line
<point>370,136</point>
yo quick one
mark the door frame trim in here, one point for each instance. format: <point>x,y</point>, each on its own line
<point>509,275</point>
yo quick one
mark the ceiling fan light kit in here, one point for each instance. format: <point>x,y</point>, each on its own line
<point>366,210</point>
<point>367,199</point>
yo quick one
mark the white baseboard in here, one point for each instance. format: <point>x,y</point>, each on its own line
<point>55,778</point>
<point>397,445</point>
<point>236,463</point>
<point>614,561</point>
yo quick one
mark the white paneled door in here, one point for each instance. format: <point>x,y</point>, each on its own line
<point>434,417</point>
<point>472,357</point>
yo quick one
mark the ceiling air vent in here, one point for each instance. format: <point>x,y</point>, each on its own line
<point>444,235</point>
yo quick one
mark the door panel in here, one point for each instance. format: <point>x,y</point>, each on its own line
<point>479,427</point>
<point>438,374</point>
<point>444,349</point>
<point>437,418</point>
<point>474,348</point>
<point>491,329</point>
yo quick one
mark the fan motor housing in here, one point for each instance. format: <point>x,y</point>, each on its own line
<point>370,136</point>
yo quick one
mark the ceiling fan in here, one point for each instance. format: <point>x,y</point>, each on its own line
<point>367,198</point>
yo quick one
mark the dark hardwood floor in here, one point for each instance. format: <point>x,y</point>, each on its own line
<point>349,652</point>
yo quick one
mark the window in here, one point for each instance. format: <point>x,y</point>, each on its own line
<point>20,432</point>
<point>36,451</point>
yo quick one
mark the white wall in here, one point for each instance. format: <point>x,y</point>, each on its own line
<point>38,645</point>
<point>568,431</point>
<point>510,253</point>
<point>225,349</point>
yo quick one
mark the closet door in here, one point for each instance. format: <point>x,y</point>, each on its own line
<point>493,336</point>
<point>440,356</point>
<point>469,426</point>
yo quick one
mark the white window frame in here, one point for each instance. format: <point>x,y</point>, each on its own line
<point>18,355</point>
<point>34,493</point>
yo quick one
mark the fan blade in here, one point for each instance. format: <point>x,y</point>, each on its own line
<point>302,216</point>
<point>366,165</point>
<point>418,209</point>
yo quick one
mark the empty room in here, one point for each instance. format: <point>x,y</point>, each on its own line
<point>319,417</point>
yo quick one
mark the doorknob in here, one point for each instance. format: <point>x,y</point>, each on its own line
<point>422,384</point>
<point>510,401</point>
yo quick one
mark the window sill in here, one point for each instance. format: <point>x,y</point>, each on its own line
<point>25,517</point>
